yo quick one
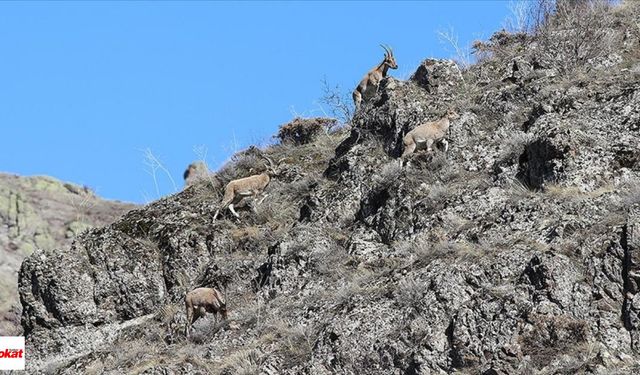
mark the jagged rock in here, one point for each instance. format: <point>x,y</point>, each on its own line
<point>513,252</point>
<point>300,131</point>
<point>438,76</point>
<point>195,172</point>
<point>41,212</point>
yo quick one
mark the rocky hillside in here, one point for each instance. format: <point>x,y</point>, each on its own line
<point>517,251</point>
<point>41,213</point>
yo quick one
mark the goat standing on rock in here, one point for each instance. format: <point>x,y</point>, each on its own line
<point>429,133</point>
<point>371,81</point>
<point>202,300</point>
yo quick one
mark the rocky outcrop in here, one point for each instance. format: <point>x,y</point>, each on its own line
<point>195,172</point>
<point>514,252</point>
<point>41,213</point>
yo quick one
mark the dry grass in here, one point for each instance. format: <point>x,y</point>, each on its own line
<point>569,36</point>
<point>575,193</point>
<point>517,191</point>
<point>243,362</point>
<point>513,144</point>
<point>301,131</point>
<point>293,342</point>
<point>423,251</point>
<point>578,33</point>
<point>553,335</point>
<point>250,239</point>
<point>388,175</point>
<point>409,294</point>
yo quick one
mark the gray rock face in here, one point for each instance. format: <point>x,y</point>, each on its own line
<point>514,252</point>
<point>438,77</point>
<point>195,171</point>
<point>41,212</point>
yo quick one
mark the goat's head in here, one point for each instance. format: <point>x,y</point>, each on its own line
<point>452,114</point>
<point>224,312</point>
<point>389,60</point>
<point>272,169</point>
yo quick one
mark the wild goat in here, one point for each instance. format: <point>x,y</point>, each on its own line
<point>200,301</point>
<point>252,186</point>
<point>371,81</point>
<point>429,133</point>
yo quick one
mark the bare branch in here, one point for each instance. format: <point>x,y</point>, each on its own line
<point>462,54</point>
<point>339,103</point>
<point>518,20</point>
<point>154,164</point>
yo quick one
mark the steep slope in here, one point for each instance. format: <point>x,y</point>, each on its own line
<point>41,212</point>
<point>515,252</point>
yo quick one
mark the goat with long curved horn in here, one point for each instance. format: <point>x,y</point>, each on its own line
<point>387,49</point>
<point>369,84</point>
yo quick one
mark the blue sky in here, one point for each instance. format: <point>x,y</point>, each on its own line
<point>85,88</point>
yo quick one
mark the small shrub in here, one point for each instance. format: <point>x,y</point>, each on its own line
<point>517,191</point>
<point>243,362</point>
<point>250,239</point>
<point>572,34</point>
<point>388,176</point>
<point>301,131</point>
<point>295,343</point>
<point>410,294</point>
<point>339,103</point>
<point>423,250</point>
<point>513,144</point>
<point>552,335</point>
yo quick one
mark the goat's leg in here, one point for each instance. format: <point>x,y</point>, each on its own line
<point>357,99</point>
<point>254,204</point>
<point>408,149</point>
<point>263,198</point>
<point>198,313</point>
<point>223,205</point>
<point>193,313</point>
<point>187,328</point>
<point>233,211</point>
<point>445,143</point>
<point>429,145</point>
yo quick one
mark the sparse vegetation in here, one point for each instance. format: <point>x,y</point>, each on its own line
<point>449,263</point>
<point>565,35</point>
<point>304,130</point>
<point>339,103</point>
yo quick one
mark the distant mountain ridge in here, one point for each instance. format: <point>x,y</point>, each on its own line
<point>41,212</point>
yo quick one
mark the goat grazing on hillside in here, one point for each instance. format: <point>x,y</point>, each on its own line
<point>371,81</point>
<point>200,301</point>
<point>428,133</point>
<point>252,186</point>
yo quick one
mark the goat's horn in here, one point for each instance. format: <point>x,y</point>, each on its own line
<point>385,49</point>
<point>268,160</point>
<point>390,50</point>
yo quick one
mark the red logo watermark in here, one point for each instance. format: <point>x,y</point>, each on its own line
<point>12,353</point>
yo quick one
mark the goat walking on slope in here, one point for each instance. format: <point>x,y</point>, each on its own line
<point>428,134</point>
<point>200,301</point>
<point>251,186</point>
<point>369,84</point>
